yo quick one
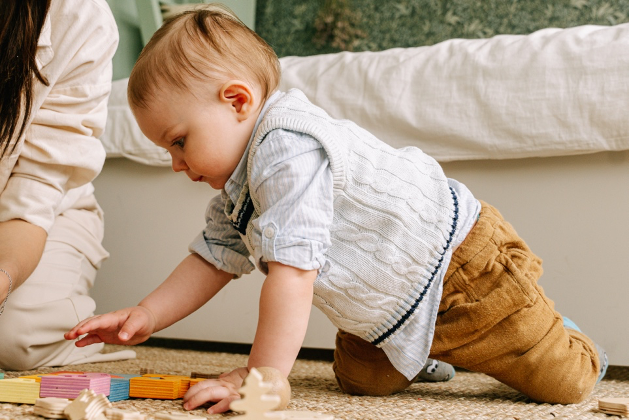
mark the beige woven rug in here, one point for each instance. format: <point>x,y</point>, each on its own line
<point>467,396</point>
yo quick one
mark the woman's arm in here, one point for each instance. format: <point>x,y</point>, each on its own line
<point>21,247</point>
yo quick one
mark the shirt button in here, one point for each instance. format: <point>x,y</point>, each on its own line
<point>269,232</point>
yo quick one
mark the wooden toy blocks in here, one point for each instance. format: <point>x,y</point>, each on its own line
<point>19,390</point>
<point>87,406</point>
<point>70,385</point>
<point>51,407</point>
<point>183,385</point>
<point>258,404</point>
<point>613,406</point>
<point>157,387</point>
<point>255,402</point>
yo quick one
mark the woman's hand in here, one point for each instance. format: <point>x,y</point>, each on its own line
<point>127,326</point>
<point>221,391</point>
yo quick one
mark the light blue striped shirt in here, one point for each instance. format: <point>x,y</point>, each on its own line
<point>292,171</point>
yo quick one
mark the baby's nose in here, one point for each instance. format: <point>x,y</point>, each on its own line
<point>178,165</point>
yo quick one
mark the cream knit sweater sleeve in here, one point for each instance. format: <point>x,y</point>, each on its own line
<point>60,150</point>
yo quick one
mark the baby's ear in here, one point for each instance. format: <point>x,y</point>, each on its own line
<point>240,96</point>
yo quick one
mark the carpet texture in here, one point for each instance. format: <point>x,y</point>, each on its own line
<point>467,396</point>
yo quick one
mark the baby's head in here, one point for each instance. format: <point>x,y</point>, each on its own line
<point>200,50</point>
<point>198,88</point>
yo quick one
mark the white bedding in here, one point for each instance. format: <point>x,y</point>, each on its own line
<point>551,93</point>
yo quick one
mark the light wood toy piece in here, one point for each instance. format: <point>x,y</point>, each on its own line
<point>196,375</point>
<point>264,390</point>
<point>88,406</point>
<point>615,406</point>
<point>279,385</point>
<point>255,402</point>
<point>51,407</point>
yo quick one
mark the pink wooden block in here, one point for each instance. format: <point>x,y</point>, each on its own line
<point>70,385</point>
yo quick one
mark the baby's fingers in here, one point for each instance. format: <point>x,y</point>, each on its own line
<point>137,321</point>
<point>80,328</point>
<point>106,322</point>
<point>88,339</point>
<point>207,391</point>
<point>223,405</point>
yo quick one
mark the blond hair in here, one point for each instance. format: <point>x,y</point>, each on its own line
<point>201,45</point>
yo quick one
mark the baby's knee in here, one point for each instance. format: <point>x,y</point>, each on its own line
<point>375,386</point>
<point>363,369</point>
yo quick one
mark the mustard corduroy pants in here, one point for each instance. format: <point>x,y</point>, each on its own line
<point>493,318</point>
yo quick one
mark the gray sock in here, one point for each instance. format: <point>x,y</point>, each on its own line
<point>603,362</point>
<point>603,357</point>
<point>436,371</point>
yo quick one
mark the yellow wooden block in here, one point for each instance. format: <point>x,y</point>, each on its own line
<point>19,390</point>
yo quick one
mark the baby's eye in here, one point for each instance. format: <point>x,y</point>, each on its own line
<point>179,143</point>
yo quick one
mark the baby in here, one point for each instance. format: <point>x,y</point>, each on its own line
<point>407,263</point>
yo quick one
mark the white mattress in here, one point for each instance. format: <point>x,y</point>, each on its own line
<point>551,93</point>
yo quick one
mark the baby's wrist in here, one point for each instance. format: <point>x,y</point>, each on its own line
<point>152,317</point>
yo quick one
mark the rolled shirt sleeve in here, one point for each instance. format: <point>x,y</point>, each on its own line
<point>292,182</point>
<point>220,243</point>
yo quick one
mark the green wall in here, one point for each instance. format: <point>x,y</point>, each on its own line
<point>291,26</point>
<point>129,26</point>
<point>130,43</point>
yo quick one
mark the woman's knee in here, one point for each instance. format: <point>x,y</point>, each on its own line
<point>31,336</point>
<point>16,352</point>
<point>363,369</point>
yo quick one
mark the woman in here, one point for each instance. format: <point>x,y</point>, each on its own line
<point>55,79</point>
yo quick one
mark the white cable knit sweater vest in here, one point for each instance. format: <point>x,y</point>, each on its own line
<point>394,217</point>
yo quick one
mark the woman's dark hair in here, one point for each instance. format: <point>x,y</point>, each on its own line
<point>21,23</point>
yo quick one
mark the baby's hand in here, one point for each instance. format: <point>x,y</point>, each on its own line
<point>127,326</point>
<point>221,391</point>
